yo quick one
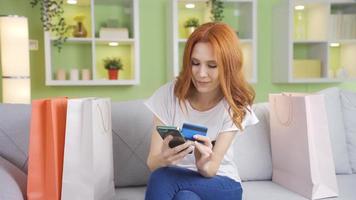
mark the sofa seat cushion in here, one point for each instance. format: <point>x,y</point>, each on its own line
<point>268,190</point>
<point>346,184</point>
<point>128,193</point>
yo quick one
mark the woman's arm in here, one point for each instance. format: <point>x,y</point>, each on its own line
<point>208,158</point>
<point>161,154</point>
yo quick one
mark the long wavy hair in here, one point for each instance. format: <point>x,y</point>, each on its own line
<point>225,43</point>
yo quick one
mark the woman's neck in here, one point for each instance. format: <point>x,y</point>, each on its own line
<point>204,102</point>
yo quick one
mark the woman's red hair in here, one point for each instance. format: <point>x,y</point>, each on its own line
<point>237,92</point>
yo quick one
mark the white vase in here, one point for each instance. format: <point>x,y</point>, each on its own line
<point>85,74</point>
<point>74,74</point>
<point>61,74</point>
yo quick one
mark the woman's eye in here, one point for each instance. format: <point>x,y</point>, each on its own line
<point>195,63</point>
<point>212,66</point>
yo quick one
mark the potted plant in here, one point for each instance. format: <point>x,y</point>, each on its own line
<point>113,65</point>
<point>217,10</point>
<point>52,19</point>
<point>190,25</point>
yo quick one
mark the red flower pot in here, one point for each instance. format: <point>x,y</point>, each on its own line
<point>113,74</point>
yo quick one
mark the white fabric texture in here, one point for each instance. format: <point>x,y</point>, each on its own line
<point>349,109</point>
<point>166,107</point>
<point>337,130</point>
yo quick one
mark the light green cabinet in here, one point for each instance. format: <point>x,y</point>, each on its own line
<point>314,41</point>
<point>112,30</point>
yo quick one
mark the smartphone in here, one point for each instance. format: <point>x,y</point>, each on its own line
<point>189,130</point>
<point>178,138</point>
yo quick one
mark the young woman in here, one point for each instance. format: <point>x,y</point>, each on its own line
<point>211,91</point>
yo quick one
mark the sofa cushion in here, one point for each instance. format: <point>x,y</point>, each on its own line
<point>14,133</point>
<point>252,148</point>
<point>337,130</point>
<point>130,193</point>
<point>349,109</point>
<point>132,126</point>
<point>12,181</point>
<point>267,190</point>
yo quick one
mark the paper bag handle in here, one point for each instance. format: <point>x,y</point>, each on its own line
<point>106,128</point>
<point>290,110</point>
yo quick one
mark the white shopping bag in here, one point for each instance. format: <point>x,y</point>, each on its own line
<point>301,150</point>
<point>88,171</point>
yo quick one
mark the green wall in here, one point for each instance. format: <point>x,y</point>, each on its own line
<point>153,38</point>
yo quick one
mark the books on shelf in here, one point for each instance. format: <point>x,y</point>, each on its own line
<point>343,26</point>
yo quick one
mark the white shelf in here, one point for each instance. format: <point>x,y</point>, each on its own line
<point>245,21</point>
<point>120,41</point>
<point>315,37</point>
<point>88,52</point>
<point>91,82</point>
<point>316,80</point>
<point>246,40</point>
<point>309,41</point>
<point>352,41</point>
<point>76,40</point>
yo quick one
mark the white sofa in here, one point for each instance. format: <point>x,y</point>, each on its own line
<point>132,125</point>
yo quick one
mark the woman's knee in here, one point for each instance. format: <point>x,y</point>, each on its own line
<point>160,175</point>
<point>186,195</point>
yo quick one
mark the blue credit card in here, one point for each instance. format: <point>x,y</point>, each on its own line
<point>189,130</point>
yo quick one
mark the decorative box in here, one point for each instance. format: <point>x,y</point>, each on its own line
<point>306,68</point>
<point>114,33</point>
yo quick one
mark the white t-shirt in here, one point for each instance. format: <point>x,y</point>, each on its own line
<point>165,105</point>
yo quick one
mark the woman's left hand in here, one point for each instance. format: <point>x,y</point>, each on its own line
<point>203,151</point>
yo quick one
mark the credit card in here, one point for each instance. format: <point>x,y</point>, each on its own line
<point>189,130</point>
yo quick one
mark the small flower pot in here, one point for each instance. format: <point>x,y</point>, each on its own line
<point>113,74</point>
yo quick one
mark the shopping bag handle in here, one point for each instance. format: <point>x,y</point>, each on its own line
<point>105,127</point>
<point>290,110</point>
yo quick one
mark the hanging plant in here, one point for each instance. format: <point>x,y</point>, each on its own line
<point>217,10</point>
<point>52,19</point>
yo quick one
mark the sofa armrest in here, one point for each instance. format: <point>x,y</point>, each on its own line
<point>12,181</point>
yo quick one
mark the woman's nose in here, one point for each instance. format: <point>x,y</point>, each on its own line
<point>203,71</point>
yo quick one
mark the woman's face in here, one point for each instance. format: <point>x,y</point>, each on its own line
<point>204,68</point>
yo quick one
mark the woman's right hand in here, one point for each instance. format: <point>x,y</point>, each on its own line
<point>172,156</point>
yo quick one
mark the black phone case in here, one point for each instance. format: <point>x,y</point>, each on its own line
<point>177,140</point>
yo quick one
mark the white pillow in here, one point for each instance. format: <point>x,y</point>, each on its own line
<point>337,130</point>
<point>252,148</point>
<point>348,100</point>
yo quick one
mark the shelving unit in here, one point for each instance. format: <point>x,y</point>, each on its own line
<point>314,41</point>
<point>88,52</point>
<point>239,14</point>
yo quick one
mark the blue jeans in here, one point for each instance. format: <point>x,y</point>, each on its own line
<point>178,183</point>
